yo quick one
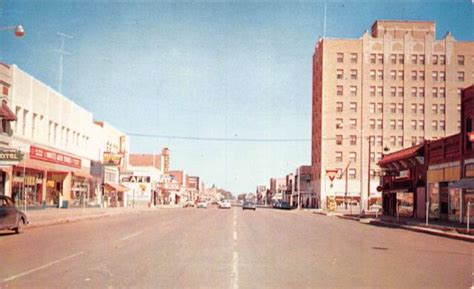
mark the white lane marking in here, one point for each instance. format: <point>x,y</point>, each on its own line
<point>42,267</point>
<point>131,236</point>
<point>235,236</point>
<point>235,270</point>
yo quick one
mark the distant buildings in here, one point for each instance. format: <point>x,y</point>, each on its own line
<point>392,88</point>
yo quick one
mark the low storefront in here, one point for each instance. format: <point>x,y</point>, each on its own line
<point>404,183</point>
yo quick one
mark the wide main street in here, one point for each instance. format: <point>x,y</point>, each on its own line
<point>212,248</point>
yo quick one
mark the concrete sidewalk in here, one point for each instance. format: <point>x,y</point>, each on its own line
<point>453,231</point>
<point>52,216</point>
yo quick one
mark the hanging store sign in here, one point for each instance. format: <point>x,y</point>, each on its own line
<point>136,179</point>
<point>54,157</point>
<point>111,159</point>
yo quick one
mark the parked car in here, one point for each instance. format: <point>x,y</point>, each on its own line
<point>11,218</point>
<point>224,205</point>
<point>284,206</point>
<point>248,205</point>
<point>188,204</point>
<point>202,205</point>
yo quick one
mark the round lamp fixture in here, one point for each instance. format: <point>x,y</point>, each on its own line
<point>19,31</point>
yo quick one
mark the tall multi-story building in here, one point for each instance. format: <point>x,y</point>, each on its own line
<point>392,88</point>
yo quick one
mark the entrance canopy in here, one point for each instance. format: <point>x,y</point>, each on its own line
<point>115,187</point>
<point>466,183</point>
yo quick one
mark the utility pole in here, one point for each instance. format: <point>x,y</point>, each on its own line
<point>61,53</point>
<point>346,183</point>
<point>368,173</point>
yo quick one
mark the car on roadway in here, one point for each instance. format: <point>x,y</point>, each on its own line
<point>249,205</point>
<point>188,204</point>
<point>11,218</point>
<point>284,205</point>
<point>202,205</point>
<point>224,205</point>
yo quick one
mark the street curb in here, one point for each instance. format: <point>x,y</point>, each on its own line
<point>349,218</point>
<point>80,218</point>
<point>320,213</point>
<point>422,230</point>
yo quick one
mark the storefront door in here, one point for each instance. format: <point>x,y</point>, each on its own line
<point>443,201</point>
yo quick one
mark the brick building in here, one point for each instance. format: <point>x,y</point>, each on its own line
<point>392,88</point>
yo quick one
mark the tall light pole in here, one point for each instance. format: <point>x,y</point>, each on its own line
<point>18,30</point>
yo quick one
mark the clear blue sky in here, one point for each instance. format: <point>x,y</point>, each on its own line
<point>203,69</point>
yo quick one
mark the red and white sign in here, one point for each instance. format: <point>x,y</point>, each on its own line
<point>54,157</point>
<point>331,174</point>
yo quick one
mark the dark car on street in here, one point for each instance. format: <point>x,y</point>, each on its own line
<point>11,218</point>
<point>248,205</point>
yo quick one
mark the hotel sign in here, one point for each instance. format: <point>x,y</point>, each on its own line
<point>54,157</point>
<point>10,155</point>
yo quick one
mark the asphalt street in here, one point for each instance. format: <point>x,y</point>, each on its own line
<point>212,248</point>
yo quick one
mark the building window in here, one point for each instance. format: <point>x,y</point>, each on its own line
<point>400,108</point>
<point>442,92</point>
<point>421,75</point>
<point>372,140</point>
<point>372,58</point>
<point>414,91</point>
<point>413,107</point>
<point>353,156</point>
<point>434,125</point>
<point>435,59</point>
<point>353,140</point>
<point>380,91</point>
<point>459,91</point>
<point>401,91</point>
<point>339,106</point>
<point>379,107</point>
<point>400,75</point>
<point>442,59</point>
<point>372,123</point>
<point>372,107</point>
<point>401,58</point>
<point>421,125</point>
<point>434,108</point>
<point>393,142</point>
<point>442,125</point>
<point>5,90</point>
<point>393,91</point>
<point>372,91</point>
<point>413,140</point>
<point>353,57</point>
<point>421,59</point>
<point>414,59</point>
<point>393,58</point>
<point>372,156</point>
<point>339,90</point>
<point>379,124</point>
<point>379,140</point>
<point>372,75</point>
<point>442,76</point>
<point>339,139</point>
<point>340,74</point>
<point>338,157</point>
<point>442,109</point>
<point>421,108</point>
<point>33,125</point>
<point>400,124</point>
<point>435,75</point>
<point>50,130</point>
<point>352,173</point>
<point>353,123</point>
<point>413,125</point>
<point>353,106</point>
<point>393,107</point>
<point>460,76</point>
<point>393,74</point>
<point>25,118</point>
<point>414,75</point>
<point>421,91</point>
<point>400,140</point>
<point>393,124</point>
<point>353,90</point>
<point>421,140</point>
<point>340,57</point>
<point>380,74</point>
<point>380,58</point>
<point>353,74</point>
<point>434,92</point>
<point>459,107</point>
<point>339,123</point>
